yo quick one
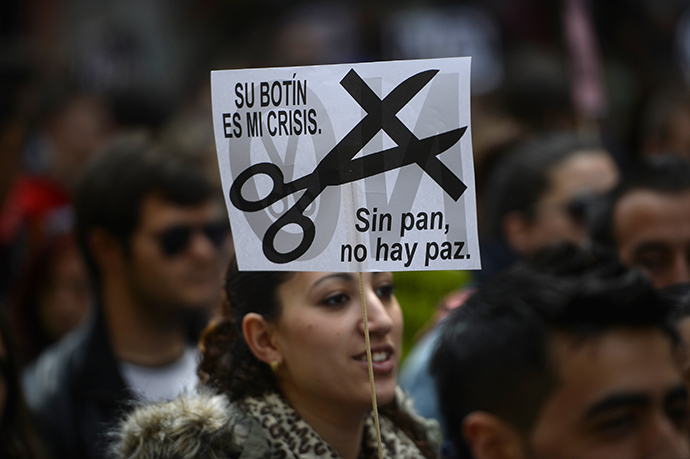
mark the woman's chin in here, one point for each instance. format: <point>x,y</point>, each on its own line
<point>385,393</point>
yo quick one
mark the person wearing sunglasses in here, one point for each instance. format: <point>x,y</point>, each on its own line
<point>539,194</point>
<point>157,243</point>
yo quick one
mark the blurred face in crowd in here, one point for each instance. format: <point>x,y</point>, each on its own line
<point>619,395</point>
<point>77,131</point>
<point>652,232</point>
<point>320,339</point>
<point>558,215</point>
<point>675,139</point>
<point>66,298</point>
<point>178,254</point>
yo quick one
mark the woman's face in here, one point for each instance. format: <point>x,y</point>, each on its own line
<point>320,337</point>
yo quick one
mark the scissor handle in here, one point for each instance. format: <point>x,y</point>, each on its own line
<point>293,215</point>
<point>276,194</point>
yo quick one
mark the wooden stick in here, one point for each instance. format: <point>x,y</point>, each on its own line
<point>371,368</point>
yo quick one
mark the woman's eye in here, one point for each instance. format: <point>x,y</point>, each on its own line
<point>385,291</point>
<point>336,300</point>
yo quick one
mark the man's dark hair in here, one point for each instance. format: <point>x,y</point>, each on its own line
<point>493,352</point>
<point>665,174</point>
<point>117,180</point>
<point>521,176</point>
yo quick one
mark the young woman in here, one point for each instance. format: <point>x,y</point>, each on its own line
<point>284,374</point>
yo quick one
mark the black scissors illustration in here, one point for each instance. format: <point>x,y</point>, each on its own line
<point>338,167</point>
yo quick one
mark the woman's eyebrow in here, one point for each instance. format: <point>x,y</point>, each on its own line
<point>345,277</point>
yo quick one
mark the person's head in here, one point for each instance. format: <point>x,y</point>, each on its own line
<point>301,333</point>
<point>537,193</point>
<point>51,297</point>
<point>148,221</point>
<point>646,219</point>
<point>75,124</point>
<point>666,124</point>
<point>570,355</point>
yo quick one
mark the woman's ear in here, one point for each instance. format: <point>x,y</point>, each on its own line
<point>489,437</point>
<point>259,337</point>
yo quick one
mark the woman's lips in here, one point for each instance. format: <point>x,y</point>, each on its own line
<point>382,360</point>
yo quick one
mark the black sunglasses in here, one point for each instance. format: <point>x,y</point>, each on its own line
<point>175,239</point>
<point>580,206</point>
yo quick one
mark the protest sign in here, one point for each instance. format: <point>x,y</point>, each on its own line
<point>349,167</point>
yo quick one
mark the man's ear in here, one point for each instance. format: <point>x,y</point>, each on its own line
<point>516,231</point>
<point>258,335</point>
<point>489,437</point>
<point>105,250</point>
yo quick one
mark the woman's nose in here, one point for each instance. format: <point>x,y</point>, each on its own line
<point>379,318</point>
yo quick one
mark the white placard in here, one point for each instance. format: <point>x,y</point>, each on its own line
<point>349,167</point>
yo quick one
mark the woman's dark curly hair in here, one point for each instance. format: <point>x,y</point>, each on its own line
<point>227,363</point>
<point>229,366</point>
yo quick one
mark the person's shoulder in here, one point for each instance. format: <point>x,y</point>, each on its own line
<point>48,386</point>
<point>201,424</point>
<point>51,374</point>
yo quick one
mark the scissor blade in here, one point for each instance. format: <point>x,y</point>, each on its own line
<point>394,158</point>
<point>336,167</point>
<point>405,91</point>
<point>427,158</point>
<point>444,141</point>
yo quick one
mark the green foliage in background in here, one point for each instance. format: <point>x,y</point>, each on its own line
<point>418,292</point>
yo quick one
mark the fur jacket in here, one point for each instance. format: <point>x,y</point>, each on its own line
<point>207,426</point>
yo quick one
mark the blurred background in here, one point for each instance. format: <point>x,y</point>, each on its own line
<point>76,72</point>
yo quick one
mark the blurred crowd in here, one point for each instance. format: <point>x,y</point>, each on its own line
<point>580,129</point>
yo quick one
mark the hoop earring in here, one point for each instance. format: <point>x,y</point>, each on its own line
<point>274,366</point>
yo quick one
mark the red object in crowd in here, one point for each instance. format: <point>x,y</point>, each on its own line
<point>37,204</point>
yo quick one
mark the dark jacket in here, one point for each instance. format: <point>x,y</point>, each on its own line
<point>77,393</point>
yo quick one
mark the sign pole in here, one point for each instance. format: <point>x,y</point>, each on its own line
<point>371,368</point>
